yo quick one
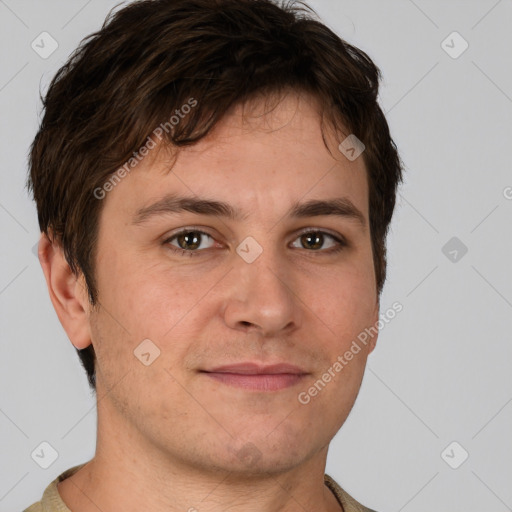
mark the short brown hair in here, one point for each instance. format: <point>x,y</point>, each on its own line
<point>149,59</point>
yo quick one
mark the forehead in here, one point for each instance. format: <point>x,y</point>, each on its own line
<point>260,155</point>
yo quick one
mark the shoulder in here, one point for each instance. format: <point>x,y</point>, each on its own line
<point>349,504</point>
<point>51,500</point>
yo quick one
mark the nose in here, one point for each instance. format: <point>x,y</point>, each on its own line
<point>261,296</point>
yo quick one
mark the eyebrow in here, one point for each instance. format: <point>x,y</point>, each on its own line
<point>172,204</point>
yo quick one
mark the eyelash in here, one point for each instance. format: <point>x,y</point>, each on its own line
<point>341,242</point>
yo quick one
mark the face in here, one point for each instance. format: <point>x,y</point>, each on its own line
<point>223,299</point>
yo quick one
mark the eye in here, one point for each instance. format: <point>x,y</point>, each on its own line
<point>188,241</point>
<point>314,239</point>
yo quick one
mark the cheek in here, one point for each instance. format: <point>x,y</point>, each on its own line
<point>344,300</point>
<point>146,297</point>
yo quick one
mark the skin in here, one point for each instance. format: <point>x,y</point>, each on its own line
<point>170,437</point>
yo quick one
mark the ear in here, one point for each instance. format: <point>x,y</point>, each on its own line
<point>375,318</point>
<point>67,292</point>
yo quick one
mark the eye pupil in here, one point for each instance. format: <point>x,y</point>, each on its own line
<point>317,240</point>
<point>190,240</point>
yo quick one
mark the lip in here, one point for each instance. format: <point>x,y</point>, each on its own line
<point>256,377</point>
<point>258,369</point>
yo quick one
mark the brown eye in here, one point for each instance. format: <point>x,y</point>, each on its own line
<point>188,241</point>
<point>312,240</point>
<point>315,241</point>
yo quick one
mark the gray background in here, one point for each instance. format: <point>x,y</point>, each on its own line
<point>442,368</point>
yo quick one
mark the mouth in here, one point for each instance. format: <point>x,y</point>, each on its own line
<point>255,377</point>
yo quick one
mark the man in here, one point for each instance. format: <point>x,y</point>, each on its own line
<point>214,182</point>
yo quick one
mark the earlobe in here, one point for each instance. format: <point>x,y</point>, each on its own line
<point>67,292</point>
